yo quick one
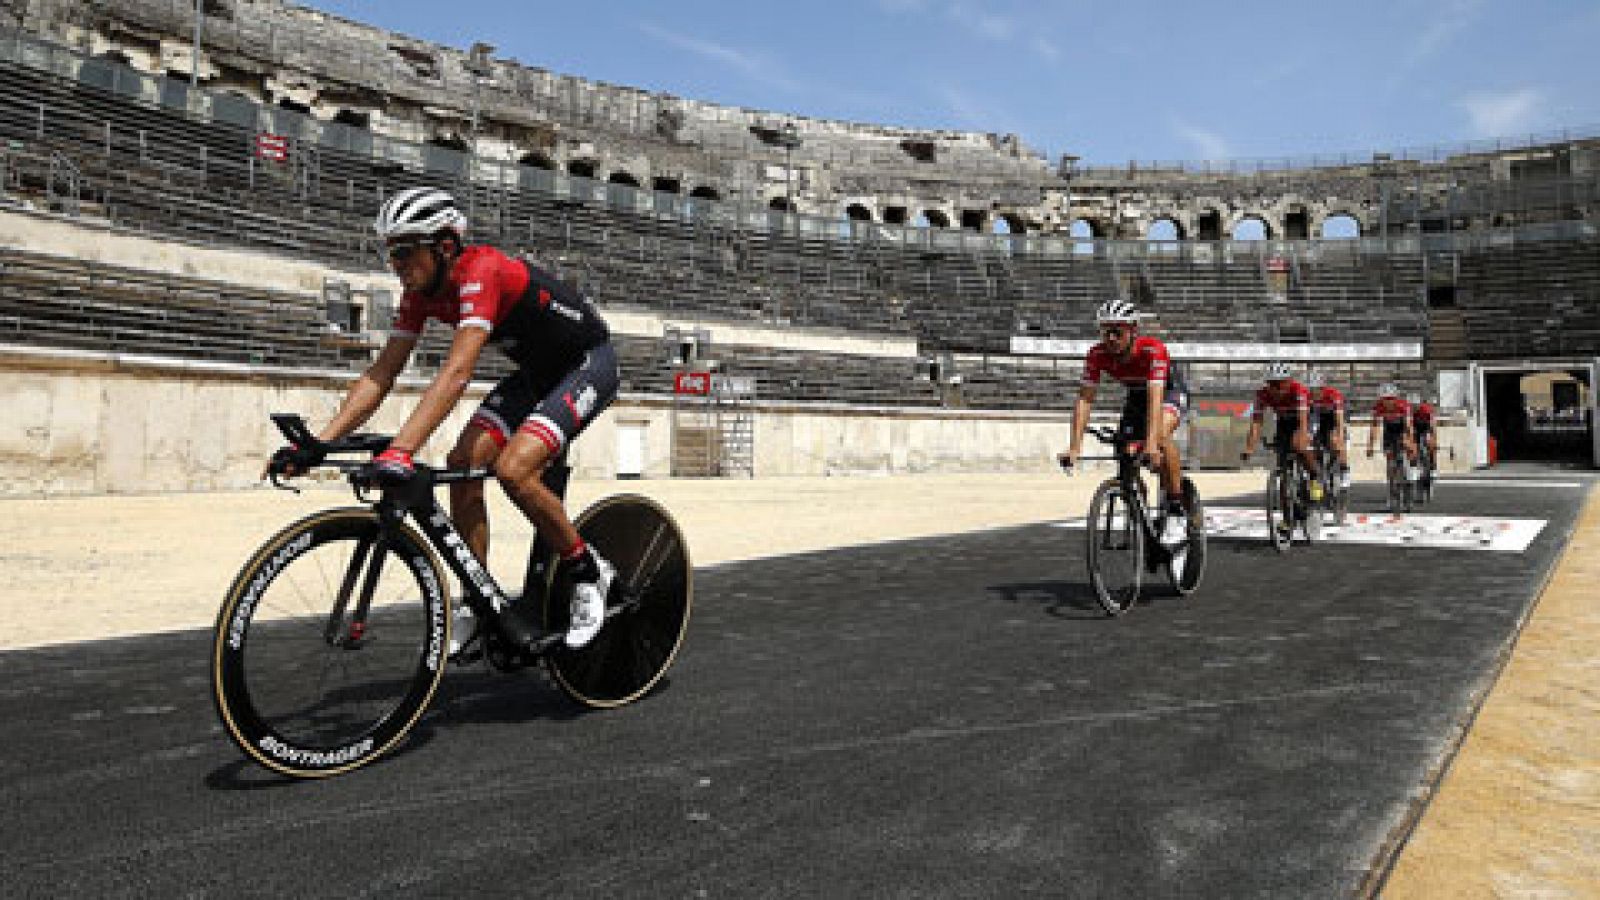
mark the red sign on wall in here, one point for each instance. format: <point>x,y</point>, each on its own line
<point>272,146</point>
<point>691,383</point>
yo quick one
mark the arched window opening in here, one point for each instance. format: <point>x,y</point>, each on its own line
<point>538,161</point>
<point>705,192</point>
<point>581,168</point>
<point>933,218</point>
<point>1341,227</point>
<point>855,212</point>
<point>623,178</point>
<point>1252,229</point>
<point>353,118</point>
<point>665,185</point>
<point>1165,229</point>
<point>974,219</point>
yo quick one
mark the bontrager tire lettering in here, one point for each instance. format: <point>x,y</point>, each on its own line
<point>255,732</point>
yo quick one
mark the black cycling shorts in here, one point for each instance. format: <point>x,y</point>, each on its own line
<point>1283,437</point>
<point>553,410</point>
<point>1135,416</point>
<point>1394,435</point>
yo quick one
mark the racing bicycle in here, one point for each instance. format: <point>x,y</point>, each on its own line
<point>1125,531</point>
<point>1289,504</point>
<point>335,635</point>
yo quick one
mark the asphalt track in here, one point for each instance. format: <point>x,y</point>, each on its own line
<point>938,717</point>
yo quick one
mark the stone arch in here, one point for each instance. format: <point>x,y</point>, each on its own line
<point>1166,227</point>
<point>624,178</point>
<point>1251,227</point>
<point>1012,224</point>
<point>856,212</point>
<point>665,184</point>
<point>1340,225</point>
<point>538,160</point>
<point>974,220</point>
<point>581,168</point>
<point>706,192</point>
<point>936,218</point>
<point>1087,227</point>
<point>355,118</point>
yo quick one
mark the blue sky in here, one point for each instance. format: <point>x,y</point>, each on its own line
<point>1107,81</point>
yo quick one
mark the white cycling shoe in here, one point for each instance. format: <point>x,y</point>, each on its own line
<point>464,644</point>
<point>588,611</point>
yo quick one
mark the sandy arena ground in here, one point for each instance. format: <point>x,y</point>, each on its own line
<point>1517,816</point>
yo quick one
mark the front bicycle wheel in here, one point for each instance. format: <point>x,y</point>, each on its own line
<point>647,612</point>
<point>330,643</point>
<point>1280,511</point>
<point>1307,512</point>
<point>1188,558</point>
<point>1116,547</point>
<point>1397,481</point>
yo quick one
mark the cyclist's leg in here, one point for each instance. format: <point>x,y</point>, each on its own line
<point>542,439</point>
<point>1172,415</point>
<point>1308,455</point>
<point>477,448</point>
<point>543,436</point>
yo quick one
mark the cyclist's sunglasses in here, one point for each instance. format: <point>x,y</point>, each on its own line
<point>1114,331</point>
<point>400,253</point>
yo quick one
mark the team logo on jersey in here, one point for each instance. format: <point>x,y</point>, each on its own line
<point>471,287</point>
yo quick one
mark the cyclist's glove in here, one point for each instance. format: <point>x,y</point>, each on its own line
<point>292,459</point>
<point>392,466</point>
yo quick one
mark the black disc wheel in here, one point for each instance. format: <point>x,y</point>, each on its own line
<point>1116,549</point>
<point>330,643</point>
<point>1188,558</point>
<point>1280,511</point>
<point>647,611</point>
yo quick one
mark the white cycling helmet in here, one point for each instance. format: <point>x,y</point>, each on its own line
<point>1277,370</point>
<point>1315,379</point>
<point>1116,310</point>
<point>1388,389</point>
<point>420,211</point>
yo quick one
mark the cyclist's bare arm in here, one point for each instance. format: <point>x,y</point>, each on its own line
<point>370,389</point>
<point>1080,419</point>
<point>446,389</point>
<point>1155,391</point>
<point>1253,436</point>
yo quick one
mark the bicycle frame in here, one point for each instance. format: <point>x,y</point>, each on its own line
<point>415,499</point>
<point>1130,476</point>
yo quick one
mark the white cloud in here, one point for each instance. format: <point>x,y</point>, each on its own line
<point>1448,19</point>
<point>751,65</point>
<point>1046,49</point>
<point>1501,113</point>
<point>1208,144</point>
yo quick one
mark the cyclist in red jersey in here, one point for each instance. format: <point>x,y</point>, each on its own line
<point>1156,402</point>
<point>1422,416</point>
<point>1290,402</point>
<point>567,374</point>
<point>1328,418</point>
<point>1393,414</point>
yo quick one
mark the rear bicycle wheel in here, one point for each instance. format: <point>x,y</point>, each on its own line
<point>1280,524</point>
<point>330,643</point>
<point>1188,561</point>
<point>647,612</point>
<point>1116,548</point>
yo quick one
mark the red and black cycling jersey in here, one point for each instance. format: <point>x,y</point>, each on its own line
<point>542,323</point>
<point>1288,400</point>
<point>1147,361</point>
<point>1422,416</point>
<point>1391,411</point>
<point>1327,401</point>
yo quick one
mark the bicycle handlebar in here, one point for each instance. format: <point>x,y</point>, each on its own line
<point>294,428</point>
